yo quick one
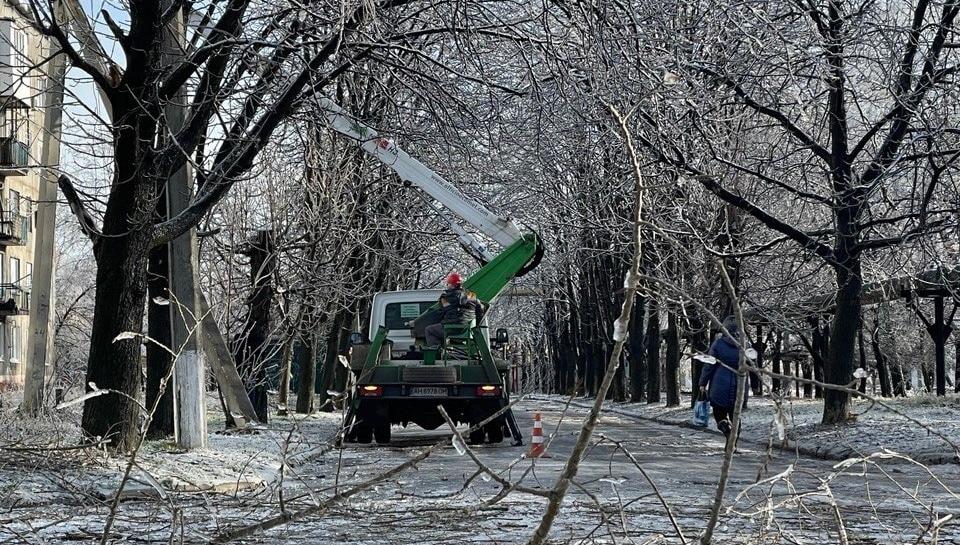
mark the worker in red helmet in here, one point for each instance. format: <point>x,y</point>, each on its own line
<point>454,281</point>
<point>456,307</point>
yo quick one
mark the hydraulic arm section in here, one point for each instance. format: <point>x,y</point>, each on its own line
<point>522,251</point>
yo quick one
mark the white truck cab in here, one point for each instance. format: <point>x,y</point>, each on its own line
<point>395,310</point>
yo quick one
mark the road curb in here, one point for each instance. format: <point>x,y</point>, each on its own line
<point>831,453</point>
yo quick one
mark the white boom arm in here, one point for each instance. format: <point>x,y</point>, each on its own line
<point>500,229</point>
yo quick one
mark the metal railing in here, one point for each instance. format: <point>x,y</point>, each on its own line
<point>19,296</point>
<point>12,226</point>
<point>13,153</point>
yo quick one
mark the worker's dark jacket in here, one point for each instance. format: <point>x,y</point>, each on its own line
<point>723,381</point>
<point>462,309</point>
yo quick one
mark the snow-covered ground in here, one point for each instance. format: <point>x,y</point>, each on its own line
<point>38,451</point>
<point>291,466</point>
<point>929,432</point>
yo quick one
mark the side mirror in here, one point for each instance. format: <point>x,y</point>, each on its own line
<point>751,354</point>
<point>503,336</point>
<point>356,338</point>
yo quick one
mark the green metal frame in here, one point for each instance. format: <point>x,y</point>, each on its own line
<point>373,356</point>
<point>486,357</point>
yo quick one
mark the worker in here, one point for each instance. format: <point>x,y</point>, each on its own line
<point>456,308</point>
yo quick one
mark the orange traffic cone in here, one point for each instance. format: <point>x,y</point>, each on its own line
<point>536,440</point>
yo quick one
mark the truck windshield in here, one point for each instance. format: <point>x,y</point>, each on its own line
<point>396,315</point>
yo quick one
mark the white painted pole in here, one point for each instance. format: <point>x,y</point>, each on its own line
<point>190,415</point>
<point>39,345</point>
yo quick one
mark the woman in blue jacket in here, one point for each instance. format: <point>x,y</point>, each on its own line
<point>719,381</point>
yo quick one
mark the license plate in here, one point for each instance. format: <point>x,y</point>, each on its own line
<point>428,391</point>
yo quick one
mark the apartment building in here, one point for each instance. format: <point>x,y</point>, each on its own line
<point>22,49</point>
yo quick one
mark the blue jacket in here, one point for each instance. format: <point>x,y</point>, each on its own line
<point>722,381</point>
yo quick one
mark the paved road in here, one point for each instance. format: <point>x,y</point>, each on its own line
<point>613,503</point>
<point>441,500</point>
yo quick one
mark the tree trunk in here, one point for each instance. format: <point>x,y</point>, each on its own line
<point>327,371</point>
<point>807,374</point>
<point>342,348</point>
<point>286,362</point>
<point>636,353</point>
<point>818,353</point>
<point>843,334</point>
<point>672,371</point>
<point>252,347</point>
<point>956,366</point>
<point>573,341</point>
<point>653,351</point>
<point>883,369</point>
<point>901,382</point>
<point>700,343</point>
<point>158,328</point>
<point>775,362</point>
<point>863,358</point>
<point>756,382</point>
<point>122,261</point>
<point>307,377</point>
<point>552,325</point>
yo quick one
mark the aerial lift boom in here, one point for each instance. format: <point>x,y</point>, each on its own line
<point>522,252</point>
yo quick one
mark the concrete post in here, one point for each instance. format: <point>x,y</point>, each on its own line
<point>190,420</point>
<point>40,344</point>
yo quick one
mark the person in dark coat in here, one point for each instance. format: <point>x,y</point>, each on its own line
<point>719,380</point>
<point>456,307</point>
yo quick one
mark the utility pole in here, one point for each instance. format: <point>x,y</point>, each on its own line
<point>190,418</point>
<point>40,344</point>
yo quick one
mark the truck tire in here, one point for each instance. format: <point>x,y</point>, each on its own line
<point>494,432</point>
<point>381,432</point>
<point>364,433</point>
<point>476,436</point>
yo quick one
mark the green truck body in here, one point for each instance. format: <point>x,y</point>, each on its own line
<point>397,382</point>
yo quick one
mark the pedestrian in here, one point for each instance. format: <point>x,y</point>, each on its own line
<point>457,307</point>
<point>719,381</point>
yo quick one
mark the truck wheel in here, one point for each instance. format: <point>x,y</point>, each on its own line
<point>364,433</point>
<point>476,436</point>
<point>381,432</point>
<point>494,432</point>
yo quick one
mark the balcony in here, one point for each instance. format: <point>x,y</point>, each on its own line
<point>11,229</point>
<point>14,157</point>
<point>14,300</point>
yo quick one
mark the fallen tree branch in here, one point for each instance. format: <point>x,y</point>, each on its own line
<point>505,483</point>
<point>87,224</point>
<point>656,489</point>
<point>286,518</point>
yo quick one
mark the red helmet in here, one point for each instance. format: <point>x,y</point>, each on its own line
<point>454,280</point>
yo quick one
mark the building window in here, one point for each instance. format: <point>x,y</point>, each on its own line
<point>14,204</point>
<point>20,49</point>
<point>15,124</point>
<point>13,342</point>
<point>26,285</point>
<point>15,271</point>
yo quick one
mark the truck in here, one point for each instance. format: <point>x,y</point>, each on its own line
<point>397,379</point>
